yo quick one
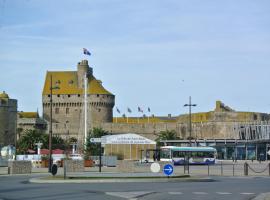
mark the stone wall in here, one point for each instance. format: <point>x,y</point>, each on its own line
<point>74,165</point>
<point>206,130</point>
<point>8,118</point>
<point>20,167</point>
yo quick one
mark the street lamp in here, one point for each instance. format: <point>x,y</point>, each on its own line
<point>190,127</point>
<point>50,132</point>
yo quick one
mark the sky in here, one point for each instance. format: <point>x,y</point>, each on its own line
<point>152,53</point>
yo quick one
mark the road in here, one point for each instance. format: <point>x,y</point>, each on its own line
<point>238,188</point>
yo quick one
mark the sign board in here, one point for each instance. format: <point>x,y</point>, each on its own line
<point>95,140</point>
<point>168,169</point>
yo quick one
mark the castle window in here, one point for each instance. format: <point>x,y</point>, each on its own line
<point>99,110</point>
<point>255,117</point>
<point>58,95</point>
<point>79,95</point>
<point>49,95</point>
<point>56,110</point>
<point>97,95</point>
<point>67,110</point>
<point>68,95</point>
<point>70,82</point>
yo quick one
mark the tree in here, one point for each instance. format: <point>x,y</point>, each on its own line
<point>31,137</point>
<point>166,135</point>
<point>28,140</point>
<point>93,148</point>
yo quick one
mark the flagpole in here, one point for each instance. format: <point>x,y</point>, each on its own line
<point>85,110</point>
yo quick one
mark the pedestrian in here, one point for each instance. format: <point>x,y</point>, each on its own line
<point>154,156</point>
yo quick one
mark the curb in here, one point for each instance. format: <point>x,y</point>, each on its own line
<point>262,196</point>
<point>120,180</point>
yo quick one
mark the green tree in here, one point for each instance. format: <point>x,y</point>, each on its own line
<point>28,140</point>
<point>30,137</point>
<point>93,148</point>
<point>166,135</point>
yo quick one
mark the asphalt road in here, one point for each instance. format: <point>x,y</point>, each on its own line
<point>18,187</point>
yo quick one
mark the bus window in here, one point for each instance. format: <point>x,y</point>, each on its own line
<point>178,154</point>
<point>165,153</point>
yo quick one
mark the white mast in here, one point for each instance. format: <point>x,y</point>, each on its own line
<point>85,108</point>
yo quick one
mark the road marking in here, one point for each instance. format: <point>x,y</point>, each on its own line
<point>225,193</point>
<point>129,195</point>
<point>247,193</point>
<point>200,193</point>
<point>175,193</point>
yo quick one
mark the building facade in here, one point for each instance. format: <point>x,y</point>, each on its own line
<point>67,89</point>
<point>8,118</point>
<point>29,121</point>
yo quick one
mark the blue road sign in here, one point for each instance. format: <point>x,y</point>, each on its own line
<point>168,169</point>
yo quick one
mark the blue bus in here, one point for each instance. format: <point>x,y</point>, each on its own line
<point>194,155</point>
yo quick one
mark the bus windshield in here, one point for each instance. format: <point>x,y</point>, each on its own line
<point>165,153</point>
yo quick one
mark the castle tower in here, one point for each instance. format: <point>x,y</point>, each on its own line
<point>68,101</point>
<point>8,118</point>
<point>82,69</point>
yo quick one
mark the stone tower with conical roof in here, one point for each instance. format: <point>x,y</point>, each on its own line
<point>8,119</point>
<point>68,101</point>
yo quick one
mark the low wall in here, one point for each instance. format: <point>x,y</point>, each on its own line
<point>19,167</point>
<point>74,165</point>
<point>130,166</point>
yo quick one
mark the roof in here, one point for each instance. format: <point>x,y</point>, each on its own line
<point>129,138</point>
<point>4,95</point>
<point>28,115</point>
<point>67,81</point>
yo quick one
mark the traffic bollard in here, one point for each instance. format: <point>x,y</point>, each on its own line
<point>246,169</point>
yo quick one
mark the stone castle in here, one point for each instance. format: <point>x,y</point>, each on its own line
<point>68,112</point>
<point>221,123</point>
<point>8,119</point>
<point>68,101</point>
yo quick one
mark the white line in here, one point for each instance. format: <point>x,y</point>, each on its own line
<point>199,192</point>
<point>247,193</point>
<point>225,193</point>
<point>175,193</point>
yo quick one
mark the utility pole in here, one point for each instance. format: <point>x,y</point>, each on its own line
<point>190,121</point>
<point>50,131</point>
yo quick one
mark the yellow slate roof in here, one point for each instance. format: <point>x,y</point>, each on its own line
<point>28,115</point>
<point>67,81</point>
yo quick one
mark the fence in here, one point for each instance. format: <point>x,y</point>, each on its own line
<point>110,161</point>
<point>227,169</point>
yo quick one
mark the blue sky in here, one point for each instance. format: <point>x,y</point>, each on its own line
<point>150,53</point>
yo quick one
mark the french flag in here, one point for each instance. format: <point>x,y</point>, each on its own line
<point>86,52</point>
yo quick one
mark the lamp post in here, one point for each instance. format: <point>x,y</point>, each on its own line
<point>50,132</point>
<point>190,127</point>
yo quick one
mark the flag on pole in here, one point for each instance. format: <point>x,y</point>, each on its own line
<point>149,109</point>
<point>140,110</point>
<point>129,110</point>
<point>86,52</point>
<point>118,110</point>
